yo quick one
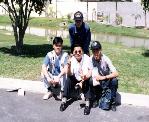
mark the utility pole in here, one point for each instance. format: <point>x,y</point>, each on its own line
<point>87,10</point>
<point>56,9</point>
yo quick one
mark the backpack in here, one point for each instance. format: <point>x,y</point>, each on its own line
<point>105,100</point>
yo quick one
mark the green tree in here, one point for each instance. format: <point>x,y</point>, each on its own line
<point>19,12</point>
<point>145,4</point>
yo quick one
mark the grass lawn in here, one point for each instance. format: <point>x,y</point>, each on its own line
<point>95,27</point>
<point>131,63</point>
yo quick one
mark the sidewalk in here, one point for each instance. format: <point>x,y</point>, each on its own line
<point>37,87</point>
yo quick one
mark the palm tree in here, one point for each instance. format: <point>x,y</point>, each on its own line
<point>136,17</point>
<point>145,4</point>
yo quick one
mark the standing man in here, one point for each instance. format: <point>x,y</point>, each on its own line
<point>79,73</point>
<point>106,72</point>
<point>79,33</point>
<point>53,73</point>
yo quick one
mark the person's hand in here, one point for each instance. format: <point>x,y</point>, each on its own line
<point>80,84</point>
<point>99,77</point>
<point>81,74</point>
<point>56,80</point>
<point>50,80</point>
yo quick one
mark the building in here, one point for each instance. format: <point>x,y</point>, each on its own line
<point>113,13</point>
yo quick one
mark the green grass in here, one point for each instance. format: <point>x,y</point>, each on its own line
<point>95,27</point>
<point>98,28</point>
<point>131,63</point>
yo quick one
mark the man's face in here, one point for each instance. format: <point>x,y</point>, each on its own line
<point>78,53</point>
<point>57,48</point>
<point>78,23</point>
<point>97,54</point>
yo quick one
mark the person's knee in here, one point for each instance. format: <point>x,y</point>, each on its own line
<point>90,82</point>
<point>114,82</point>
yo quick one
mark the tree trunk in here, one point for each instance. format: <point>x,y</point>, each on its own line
<point>145,19</point>
<point>19,35</point>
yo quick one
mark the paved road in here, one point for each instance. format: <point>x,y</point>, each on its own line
<point>32,108</point>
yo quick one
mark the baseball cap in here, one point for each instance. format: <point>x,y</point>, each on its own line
<point>95,45</point>
<point>78,15</point>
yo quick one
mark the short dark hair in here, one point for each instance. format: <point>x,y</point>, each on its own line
<point>57,40</point>
<point>76,45</point>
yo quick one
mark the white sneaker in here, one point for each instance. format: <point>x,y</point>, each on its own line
<point>82,97</point>
<point>47,95</point>
<point>60,96</point>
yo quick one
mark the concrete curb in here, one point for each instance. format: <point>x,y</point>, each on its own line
<point>37,87</point>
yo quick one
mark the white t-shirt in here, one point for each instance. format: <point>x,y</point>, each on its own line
<point>84,66</point>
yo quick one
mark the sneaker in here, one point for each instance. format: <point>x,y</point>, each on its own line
<point>86,110</point>
<point>47,95</point>
<point>61,95</point>
<point>63,107</point>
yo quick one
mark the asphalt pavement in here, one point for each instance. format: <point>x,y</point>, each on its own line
<point>31,108</point>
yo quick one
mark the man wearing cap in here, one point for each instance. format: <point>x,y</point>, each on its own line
<point>79,33</point>
<point>106,73</point>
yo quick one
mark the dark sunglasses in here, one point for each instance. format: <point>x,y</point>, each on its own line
<point>77,51</point>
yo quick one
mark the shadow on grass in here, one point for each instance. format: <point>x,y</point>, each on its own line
<point>31,50</point>
<point>146,53</point>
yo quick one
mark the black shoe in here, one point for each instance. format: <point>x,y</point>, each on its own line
<point>113,107</point>
<point>63,107</point>
<point>82,105</point>
<point>86,110</point>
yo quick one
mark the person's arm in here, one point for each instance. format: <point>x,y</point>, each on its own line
<point>71,35</point>
<point>106,77</point>
<point>113,71</point>
<point>45,72</point>
<point>88,39</point>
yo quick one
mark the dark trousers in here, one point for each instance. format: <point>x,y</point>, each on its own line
<point>111,84</point>
<point>70,87</point>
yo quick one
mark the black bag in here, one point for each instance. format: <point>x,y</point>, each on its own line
<point>105,100</point>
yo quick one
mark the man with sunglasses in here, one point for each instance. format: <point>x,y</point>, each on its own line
<point>105,74</point>
<point>79,33</point>
<point>79,73</point>
<point>53,73</point>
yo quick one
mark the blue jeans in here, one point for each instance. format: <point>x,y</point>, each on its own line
<point>111,84</point>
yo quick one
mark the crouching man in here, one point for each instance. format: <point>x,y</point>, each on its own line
<point>105,75</point>
<point>53,73</point>
<point>79,73</point>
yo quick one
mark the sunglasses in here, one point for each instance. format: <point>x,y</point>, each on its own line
<point>77,52</point>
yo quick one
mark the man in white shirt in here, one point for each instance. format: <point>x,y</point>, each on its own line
<point>53,73</point>
<point>79,73</point>
<point>104,72</point>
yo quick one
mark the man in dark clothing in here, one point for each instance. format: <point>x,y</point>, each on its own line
<point>79,33</point>
<point>104,73</point>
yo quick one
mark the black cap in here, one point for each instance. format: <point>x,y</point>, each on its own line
<point>78,15</point>
<point>95,45</point>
